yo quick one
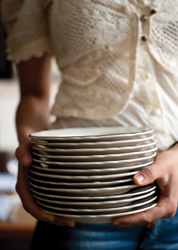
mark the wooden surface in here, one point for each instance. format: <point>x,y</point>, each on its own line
<point>17,235</point>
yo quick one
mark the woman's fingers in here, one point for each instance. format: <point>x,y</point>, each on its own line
<point>23,154</point>
<point>148,174</point>
<point>165,164</point>
<point>165,172</point>
<point>165,208</point>
<point>23,189</point>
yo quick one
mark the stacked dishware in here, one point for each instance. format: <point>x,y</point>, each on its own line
<point>86,174</point>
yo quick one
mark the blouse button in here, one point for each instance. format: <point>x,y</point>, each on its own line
<point>153,11</point>
<point>143,3</point>
<point>156,112</point>
<point>144,38</point>
<point>147,76</point>
<point>143,18</point>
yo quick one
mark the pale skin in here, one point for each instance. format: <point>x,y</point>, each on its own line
<point>33,115</point>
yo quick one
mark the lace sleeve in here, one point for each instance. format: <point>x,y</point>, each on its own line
<point>26,24</point>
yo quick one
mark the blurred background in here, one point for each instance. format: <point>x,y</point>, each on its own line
<point>16,226</point>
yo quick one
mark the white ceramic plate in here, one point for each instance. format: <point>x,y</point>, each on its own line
<point>89,191</point>
<point>90,151</point>
<point>82,184</point>
<point>99,211</point>
<point>135,192</point>
<point>92,134</point>
<point>80,172</point>
<point>104,144</point>
<point>96,164</point>
<point>110,170</point>
<point>104,157</point>
<point>96,204</point>
<point>85,177</point>
<point>104,218</point>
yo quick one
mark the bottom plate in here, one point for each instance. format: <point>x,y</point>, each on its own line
<point>95,219</point>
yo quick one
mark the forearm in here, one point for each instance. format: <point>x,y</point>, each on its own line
<point>32,115</point>
<point>33,110</point>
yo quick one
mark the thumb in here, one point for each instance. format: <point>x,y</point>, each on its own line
<point>147,175</point>
<point>23,154</point>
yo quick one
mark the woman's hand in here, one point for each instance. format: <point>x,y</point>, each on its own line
<point>164,171</point>
<point>32,116</point>
<point>23,189</point>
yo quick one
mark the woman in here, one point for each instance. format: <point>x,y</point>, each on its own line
<point>119,61</point>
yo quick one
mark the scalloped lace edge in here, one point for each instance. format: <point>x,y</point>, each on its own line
<point>35,48</point>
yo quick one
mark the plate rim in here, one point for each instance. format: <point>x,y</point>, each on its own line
<point>97,162</point>
<point>104,216</point>
<point>114,202</point>
<point>90,143</point>
<point>141,131</point>
<point>114,169</point>
<point>81,184</point>
<point>97,156</point>
<point>96,173</point>
<point>83,210</point>
<point>106,197</point>
<point>83,150</point>
<point>87,190</point>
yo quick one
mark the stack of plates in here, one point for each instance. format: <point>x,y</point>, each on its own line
<point>85,174</point>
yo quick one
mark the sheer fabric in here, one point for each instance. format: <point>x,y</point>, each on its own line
<point>113,55</point>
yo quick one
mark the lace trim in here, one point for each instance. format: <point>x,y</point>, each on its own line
<point>33,49</point>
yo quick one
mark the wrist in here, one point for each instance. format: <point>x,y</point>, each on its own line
<point>174,147</point>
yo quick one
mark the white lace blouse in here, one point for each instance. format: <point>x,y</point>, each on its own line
<point>118,58</point>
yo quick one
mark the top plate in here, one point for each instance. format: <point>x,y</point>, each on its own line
<point>92,134</point>
<point>92,144</point>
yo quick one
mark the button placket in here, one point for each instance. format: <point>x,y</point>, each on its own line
<point>144,19</point>
<point>147,86</point>
<point>148,89</point>
<point>146,75</point>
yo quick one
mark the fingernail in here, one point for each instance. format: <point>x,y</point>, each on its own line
<point>139,178</point>
<point>24,160</point>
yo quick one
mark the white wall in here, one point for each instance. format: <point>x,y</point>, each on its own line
<point>9,97</point>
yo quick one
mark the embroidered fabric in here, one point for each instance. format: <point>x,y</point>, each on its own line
<point>96,58</point>
<point>163,37</point>
<point>96,43</point>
